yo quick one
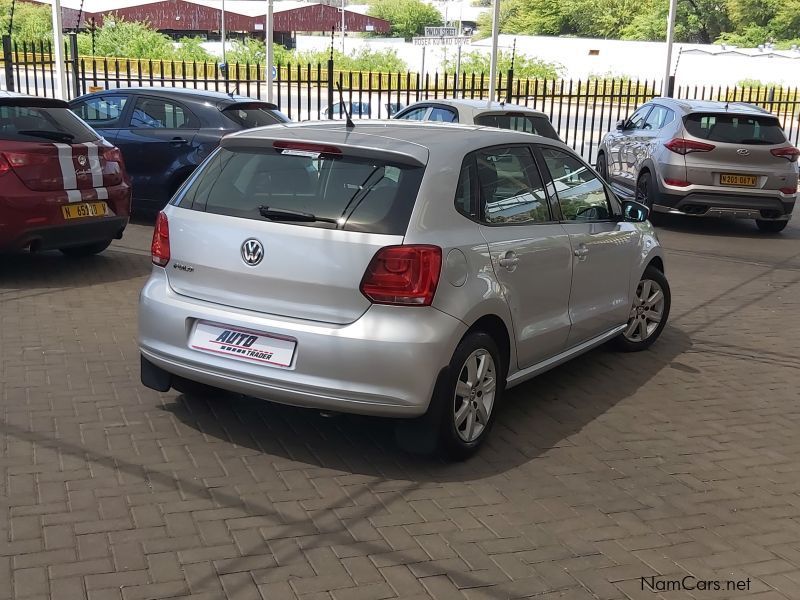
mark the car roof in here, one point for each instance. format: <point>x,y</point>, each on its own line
<point>178,93</point>
<point>695,106</point>
<point>480,106</point>
<point>413,139</point>
<point>16,99</point>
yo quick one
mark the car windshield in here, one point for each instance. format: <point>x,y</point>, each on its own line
<point>248,116</point>
<point>339,192</point>
<point>735,129</point>
<point>29,124</point>
<point>519,122</point>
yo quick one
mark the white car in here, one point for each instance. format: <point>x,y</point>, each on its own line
<point>481,112</point>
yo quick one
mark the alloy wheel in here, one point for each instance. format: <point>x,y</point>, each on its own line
<point>474,395</point>
<point>646,312</point>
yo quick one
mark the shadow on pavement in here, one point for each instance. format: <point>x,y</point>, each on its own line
<point>48,270</point>
<point>742,228</point>
<point>535,416</point>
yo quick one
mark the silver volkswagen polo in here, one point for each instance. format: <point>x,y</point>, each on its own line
<point>394,269</point>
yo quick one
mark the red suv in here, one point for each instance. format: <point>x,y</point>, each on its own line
<point>62,186</point>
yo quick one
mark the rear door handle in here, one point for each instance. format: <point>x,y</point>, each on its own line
<point>509,260</point>
<point>178,141</point>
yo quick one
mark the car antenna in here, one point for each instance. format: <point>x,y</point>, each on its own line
<point>349,124</point>
<point>235,90</point>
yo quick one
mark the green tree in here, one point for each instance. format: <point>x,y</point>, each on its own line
<point>524,66</point>
<point>127,39</point>
<point>190,49</point>
<point>407,17</point>
<point>32,22</point>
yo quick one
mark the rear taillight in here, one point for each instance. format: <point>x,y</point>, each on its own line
<point>682,146</point>
<point>789,190</point>
<point>405,275</point>
<point>159,249</point>
<point>4,166</point>
<point>26,159</point>
<point>676,182</point>
<point>112,155</point>
<point>790,153</point>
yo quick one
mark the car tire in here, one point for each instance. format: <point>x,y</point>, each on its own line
<point>642,329</point>
<point>645,194</point>
<point>771,226</point>
<point>601,167</point>
<point>85,250</point>
<point>471,395</point>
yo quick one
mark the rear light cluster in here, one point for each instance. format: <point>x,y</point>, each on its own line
<point>684,147</point>
<point>13,160</point>
<point>403,275</point>
<point>790,153</point>
<point>112,154</point>
<point>159,249</point>
<point>676,182</point>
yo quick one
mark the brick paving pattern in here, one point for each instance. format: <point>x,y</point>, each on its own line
<point>679,461</point>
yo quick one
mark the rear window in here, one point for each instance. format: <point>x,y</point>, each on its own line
<point>735,129</point>
<point>253,115</point>
<point>519,122</point>
<point>360,194</point>
<point>28,124</point>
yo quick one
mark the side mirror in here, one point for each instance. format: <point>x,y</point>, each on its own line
<point>620,124</point>
<point>634,212</point>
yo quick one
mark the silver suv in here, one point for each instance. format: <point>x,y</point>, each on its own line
<point>394,269</point>
<point>705,159</point>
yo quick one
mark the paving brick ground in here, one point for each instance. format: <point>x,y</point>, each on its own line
<point>679,461</point>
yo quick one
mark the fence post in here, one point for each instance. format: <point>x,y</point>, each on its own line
<point>8,63</point>
<point>330,88</point>
<point>671,86</point>
<point>73,57</point>
<point>509,82</point>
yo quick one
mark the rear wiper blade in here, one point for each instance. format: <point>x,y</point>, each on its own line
<point>282,214</point>
<point>48,135</point>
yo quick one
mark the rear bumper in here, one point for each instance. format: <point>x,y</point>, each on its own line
<point>708,204</point>
<point>67,235</point>
<point>384,364</point>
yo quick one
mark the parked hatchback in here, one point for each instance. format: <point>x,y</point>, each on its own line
<point>481,112</point>
<point>61,185</point>
<point>708,159</point>
<point>164,133</point>
<point>395,269</point>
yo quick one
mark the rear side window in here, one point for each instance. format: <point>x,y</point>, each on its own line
<point>443,115</point>
<point>27,124</point>
<point>154,113</point>
<point>253,115</point>
<point>735,129</point>
<point>519,122</point>
<point>359,194</point>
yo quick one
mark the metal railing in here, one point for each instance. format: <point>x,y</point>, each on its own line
<point>581,111</point>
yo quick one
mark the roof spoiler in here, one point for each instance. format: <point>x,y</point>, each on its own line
<point>245,104</point>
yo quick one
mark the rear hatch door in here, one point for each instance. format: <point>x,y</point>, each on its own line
<point>741,156</point>
<point>288,231</point>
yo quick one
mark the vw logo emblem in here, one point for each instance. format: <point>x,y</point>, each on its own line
<point>743,152</point>
<point>82,161</point>
<point>252,252</point>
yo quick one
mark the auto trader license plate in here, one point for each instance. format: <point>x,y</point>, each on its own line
<point>84,209</point>
<point>243,345</point>
<point>738,180</point>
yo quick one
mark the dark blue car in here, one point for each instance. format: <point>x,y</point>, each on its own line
<point>165,133</point>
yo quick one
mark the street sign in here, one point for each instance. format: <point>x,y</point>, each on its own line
<point>441,32</point>
<point>443,41</point>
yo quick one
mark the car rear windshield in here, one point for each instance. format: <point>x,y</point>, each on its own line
<point>519,122</point>
<point>248,116</point>
<point>29,124</point>
<point>735,129</point>
<point>358,194</point>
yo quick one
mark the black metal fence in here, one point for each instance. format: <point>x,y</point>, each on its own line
<point>582,111</point>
